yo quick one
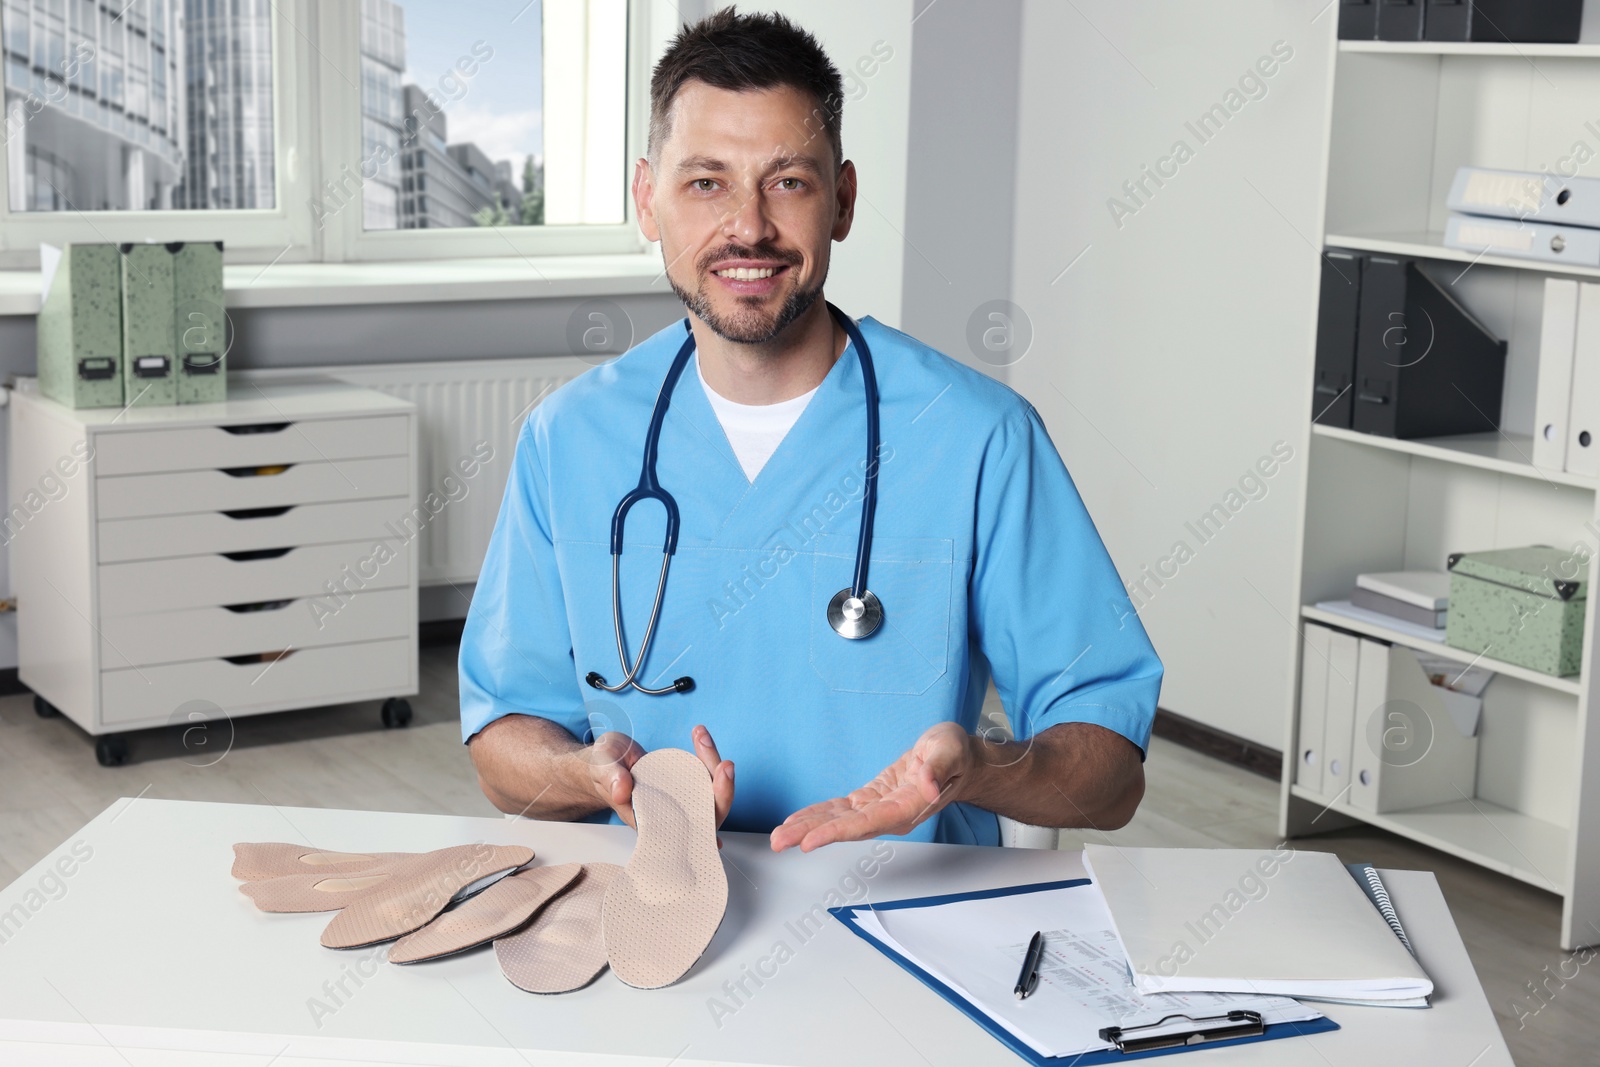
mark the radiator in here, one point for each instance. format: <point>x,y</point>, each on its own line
<point>461,406</point>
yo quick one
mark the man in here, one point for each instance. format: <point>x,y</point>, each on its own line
<point>982,555</point>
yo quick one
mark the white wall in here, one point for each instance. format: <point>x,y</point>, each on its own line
<point>865,275</point>
<point>962,138</point>
<point>1176,350</point>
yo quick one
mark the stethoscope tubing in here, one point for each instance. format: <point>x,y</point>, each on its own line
<point>649,488</point>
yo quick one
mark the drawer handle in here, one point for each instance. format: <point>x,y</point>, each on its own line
<point>260,605</point>
<point>258,553</point>
<point>256,472</point>
<point>258,427</point>
<point>259,513</point>
<point>260,657</point>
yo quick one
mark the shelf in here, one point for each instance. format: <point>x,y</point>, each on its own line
<point>1498,452</point>
<point>1475,48</point>
<point>1429,244</point>
<point>1573,686</point>
<point>1528,849</point>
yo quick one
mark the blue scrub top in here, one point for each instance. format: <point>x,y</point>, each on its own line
<point>983,556</point>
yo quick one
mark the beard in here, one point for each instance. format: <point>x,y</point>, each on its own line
<point>748,324</point>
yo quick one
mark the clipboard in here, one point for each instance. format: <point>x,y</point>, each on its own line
<point>1156,1039</point>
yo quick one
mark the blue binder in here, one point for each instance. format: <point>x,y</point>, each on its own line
<point>847,916</point>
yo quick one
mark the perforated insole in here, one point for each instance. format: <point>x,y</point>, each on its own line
<point>562,948</point>
<point>661,912</point>
<point>410,897</point>
<point>503,907</point>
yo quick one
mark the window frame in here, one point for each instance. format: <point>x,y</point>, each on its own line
<point>345,238</point>
<point>283,232</point>
<point>316,133</point>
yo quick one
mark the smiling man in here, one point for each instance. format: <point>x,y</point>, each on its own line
<point>863,531</point>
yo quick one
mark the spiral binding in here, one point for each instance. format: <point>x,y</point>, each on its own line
<point>1380,897</point>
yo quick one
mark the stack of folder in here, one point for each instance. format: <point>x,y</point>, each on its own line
<point>1525,214</point>
<point>132,325</point>
<point>1421,598</point>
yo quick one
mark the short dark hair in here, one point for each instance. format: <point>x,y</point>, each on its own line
<point>727,50</point>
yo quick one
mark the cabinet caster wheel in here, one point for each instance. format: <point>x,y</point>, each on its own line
<point>396,712</point>
<point>111,750</point>
<point>43,708</point>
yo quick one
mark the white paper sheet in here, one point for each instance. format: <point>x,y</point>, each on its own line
<point>976,947</point>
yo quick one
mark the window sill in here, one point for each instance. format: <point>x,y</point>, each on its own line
<point>253,285</point>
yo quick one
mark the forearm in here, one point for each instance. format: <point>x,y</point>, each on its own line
<point>531,766</point>
<point>1071,775</point>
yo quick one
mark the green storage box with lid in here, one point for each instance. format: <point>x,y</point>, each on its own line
<point>1521,605</point>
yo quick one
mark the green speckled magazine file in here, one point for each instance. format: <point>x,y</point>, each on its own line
<point>1521,605</point>
<point>148,347</point>
<point>80,329</point>
<point>200,323</point>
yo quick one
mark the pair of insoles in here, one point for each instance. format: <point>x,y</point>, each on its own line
<point>381,896</point>
<point>651,920</point>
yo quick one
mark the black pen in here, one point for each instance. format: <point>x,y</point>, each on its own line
<point>1030,966</point>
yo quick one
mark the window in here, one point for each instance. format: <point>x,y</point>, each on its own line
<point>188,120</point>
<point>465,85</point>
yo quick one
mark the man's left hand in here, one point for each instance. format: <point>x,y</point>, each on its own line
<point>905,794</point>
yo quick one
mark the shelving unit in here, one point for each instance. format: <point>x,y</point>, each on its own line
<point>1405,116</point>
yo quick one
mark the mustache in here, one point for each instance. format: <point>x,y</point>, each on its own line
<point>792,259</point>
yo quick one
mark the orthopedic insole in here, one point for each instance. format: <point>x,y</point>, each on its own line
<point>339,887</point>
<point>562,949</point>
<point>254,861</point>
<point>499,909</point>
<point>414,892</point>
<point>661,912</point>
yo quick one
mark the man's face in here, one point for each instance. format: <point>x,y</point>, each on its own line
<point>745,200</point>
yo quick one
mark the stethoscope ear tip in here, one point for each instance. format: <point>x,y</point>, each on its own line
<point>595,680</point>
<point>684,684</point>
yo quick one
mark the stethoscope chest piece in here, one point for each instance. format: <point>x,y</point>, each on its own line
<point>854,616</point>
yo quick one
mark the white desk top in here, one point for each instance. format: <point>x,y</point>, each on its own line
<point>149,946</point>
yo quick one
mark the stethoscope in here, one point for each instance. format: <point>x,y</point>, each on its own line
<point>854,612</point>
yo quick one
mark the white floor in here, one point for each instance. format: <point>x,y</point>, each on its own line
<point>50,785</point>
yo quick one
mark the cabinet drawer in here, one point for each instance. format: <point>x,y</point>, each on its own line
<point>221,531</point>
<point>307,677</point>
<point>186,492</point>
<point>202,447</point>
<point>208,581</point>
<point>205,633</point>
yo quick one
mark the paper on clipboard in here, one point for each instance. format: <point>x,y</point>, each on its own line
<point>975,947</point>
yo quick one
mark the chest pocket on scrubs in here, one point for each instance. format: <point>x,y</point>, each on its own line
<point>909,652</point>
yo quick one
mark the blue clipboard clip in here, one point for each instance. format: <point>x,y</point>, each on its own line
<point>1201,1030</point>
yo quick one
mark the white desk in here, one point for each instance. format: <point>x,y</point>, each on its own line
<point>150,947</point>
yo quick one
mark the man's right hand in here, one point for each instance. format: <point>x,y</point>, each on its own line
<point>610,760</point>
<point>611,757</point>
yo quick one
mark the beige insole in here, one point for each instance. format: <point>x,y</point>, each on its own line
<point>255,860</point>
<point>499,909</point>
<point>562,948</point>
<point>416,892</point>
<point>662,910</point>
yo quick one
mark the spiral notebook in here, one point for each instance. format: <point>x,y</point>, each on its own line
<point>1287,922</point>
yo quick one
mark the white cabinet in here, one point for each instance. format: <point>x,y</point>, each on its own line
<point>214,560</point>
<point>1405,116</point>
